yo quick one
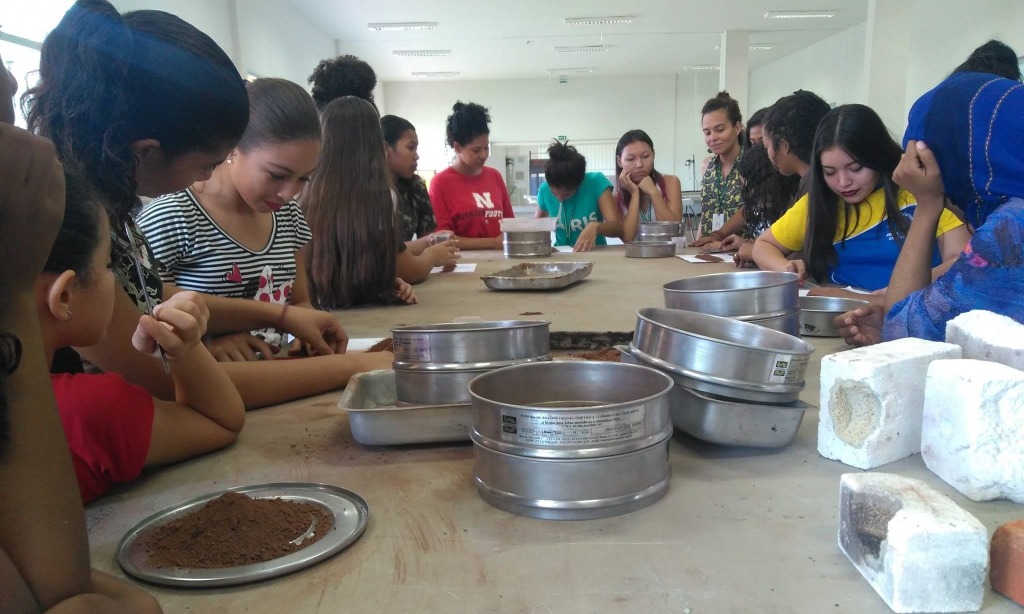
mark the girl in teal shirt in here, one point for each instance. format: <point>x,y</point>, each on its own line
<point>581,201</point>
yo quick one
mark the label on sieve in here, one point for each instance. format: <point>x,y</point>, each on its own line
<point>549,428</point>
<point>788,369</point>
<point>415,348</point>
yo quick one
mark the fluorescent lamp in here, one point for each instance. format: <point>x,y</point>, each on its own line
<point>596,21</point>
<point>422,53</point>
<point>407,25</point>
<point>570,71</point>
<point>701,67</point>
<point>799,14</point>
<point>754,47</point>
<point>440,74</point>
<point>582,48</point>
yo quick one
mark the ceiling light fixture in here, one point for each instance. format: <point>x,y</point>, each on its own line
<point>570,71</point>
<point>799,14</point>
<point>596,21</point>
<point>582,48</point>
<point>701,67</point>
<point>422,53</point>
<point>755,47</point>
<point>440,74</point>
<point>406,25</point>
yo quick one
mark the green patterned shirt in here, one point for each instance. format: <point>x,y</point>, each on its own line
<point>414,209</point>
<point>719,195</point>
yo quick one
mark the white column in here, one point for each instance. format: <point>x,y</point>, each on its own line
<point>734,68</point>
<point>886,53</point>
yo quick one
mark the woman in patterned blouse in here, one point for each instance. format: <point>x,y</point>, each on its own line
<point>723,133</point>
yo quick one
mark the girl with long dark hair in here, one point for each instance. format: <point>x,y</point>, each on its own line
<point>425,248</point>
<point>642,193</point>
<point>854,218</point>
<point>350,208</point>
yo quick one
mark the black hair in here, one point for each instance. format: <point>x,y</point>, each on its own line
<point>630,137</point>
<point>345,75</point>
<point>565,167</point>
<point>279,111</point>
<point>766,193</point>
<point>394,127</point>
<point>10,360</point>
<point>78,237</point>
<point>795,118</point>
<point>753,121</point>
<point>467,122</point>
<point>107,81</point>
<point>995,58</point>
<point>860,132</point>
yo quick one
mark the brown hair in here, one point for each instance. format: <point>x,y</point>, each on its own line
<point>350,210</point>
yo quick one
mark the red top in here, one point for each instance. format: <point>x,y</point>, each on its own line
<point>470,205</point>
<point>108,424</point>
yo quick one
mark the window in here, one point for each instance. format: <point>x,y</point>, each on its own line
<point>22,30</point>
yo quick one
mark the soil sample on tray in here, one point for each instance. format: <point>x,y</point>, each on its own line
<point>605,354</point>
<point>233,530</point>
<point>384,345</point>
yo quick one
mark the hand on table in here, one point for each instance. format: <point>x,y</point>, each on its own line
<point>444,254</point>
<point>239,347</point>
<point>587,238</point>
<point>862,326</point>
<point>319,331</point>
<point>404,292</point>
<point>799,267</point>
<point>744,255</point>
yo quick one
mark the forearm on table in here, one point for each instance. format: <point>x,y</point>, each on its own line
<point>610,229</point>
<point>271,382</point>
<point>43,525</point>
<point>201,383</point>
<point>769,257</point>
<point>417,245</point>
<point>913,269</point>
<point>231,315</point>
<point>413,269</point>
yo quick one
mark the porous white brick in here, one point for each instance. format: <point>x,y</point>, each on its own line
<point>972,435</point>
<point>984,335</point>
<point>919,550</point>
<point>872,399</point>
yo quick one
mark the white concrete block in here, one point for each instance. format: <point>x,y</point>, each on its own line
<point>984,335</point>
<point>972,433</point>
<point>919,550</point>
<point>872,399</point>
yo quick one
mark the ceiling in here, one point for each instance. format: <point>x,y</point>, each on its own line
<point>495,39</point>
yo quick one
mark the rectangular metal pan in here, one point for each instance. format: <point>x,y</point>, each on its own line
<point>538,276</point>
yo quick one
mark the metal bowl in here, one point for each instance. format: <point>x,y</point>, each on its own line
<point>571,440</point>
<point>817,313</point>
<point>730,422</point>
<point>741,293</point>
<point>434,363</point>
<point>650,249</point>
<point>722,351</point>
<point>527,244</point>
<point>784,321</point>
<point>658,231</point>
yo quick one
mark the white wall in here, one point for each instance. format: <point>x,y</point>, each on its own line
<point>832,68</point>
<point>954,29</point>
<point>584,109</point>
<point>270,42</point>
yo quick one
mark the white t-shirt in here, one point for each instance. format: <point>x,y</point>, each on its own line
<point>194,253</point>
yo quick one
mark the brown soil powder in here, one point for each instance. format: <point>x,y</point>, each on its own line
<point>532,313</point>
<point>709,258</point>
<point>606,354</point>
<point>384,345</point>
<point>233,530</point>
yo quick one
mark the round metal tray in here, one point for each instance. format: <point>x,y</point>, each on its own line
<point>348,509</point>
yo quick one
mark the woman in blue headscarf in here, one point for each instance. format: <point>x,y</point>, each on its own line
<point>964,143</point>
